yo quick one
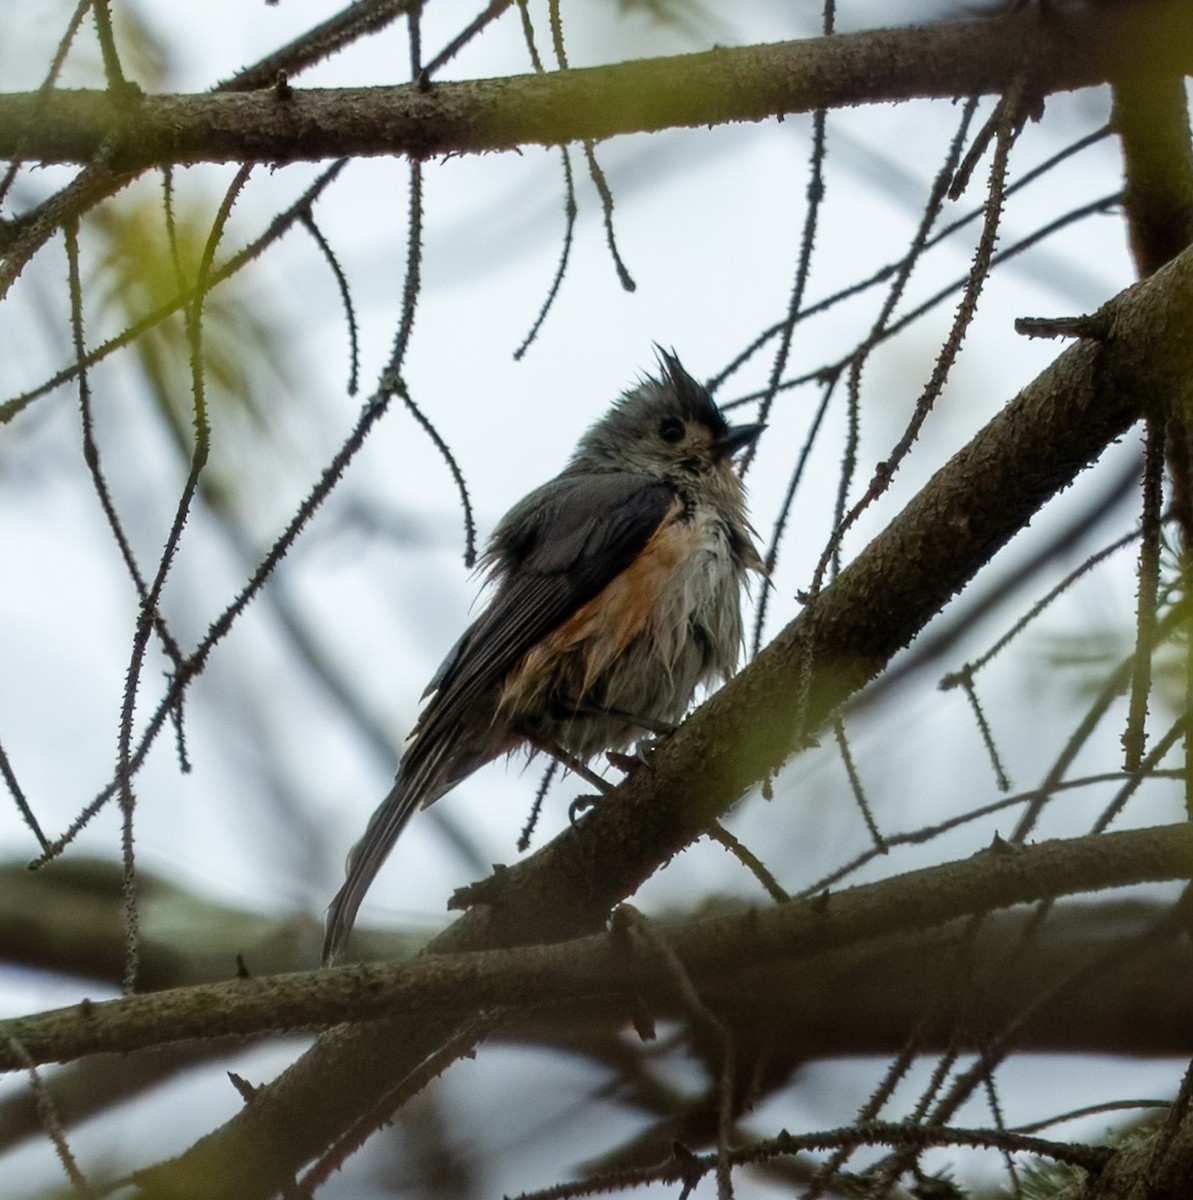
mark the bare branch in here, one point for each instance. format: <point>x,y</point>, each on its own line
<point>692,90</point>
<point>460,985</point>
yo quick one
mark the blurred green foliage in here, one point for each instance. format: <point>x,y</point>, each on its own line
<point>143,263</point>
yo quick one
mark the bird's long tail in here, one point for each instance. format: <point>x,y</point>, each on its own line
<point>418,784</point>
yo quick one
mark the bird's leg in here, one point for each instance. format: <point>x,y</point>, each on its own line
<point>625,763</point>
<point>649,724</point>
<point>582,803</point>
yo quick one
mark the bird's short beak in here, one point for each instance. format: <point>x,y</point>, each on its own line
<point>738,438</point>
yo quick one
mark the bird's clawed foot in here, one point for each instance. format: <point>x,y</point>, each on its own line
<point>581,805</point>
<point>643,752</point>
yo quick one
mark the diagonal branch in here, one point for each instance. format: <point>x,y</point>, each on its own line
<point>988,491</point>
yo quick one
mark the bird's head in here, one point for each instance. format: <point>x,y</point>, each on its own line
<point>668,427</point>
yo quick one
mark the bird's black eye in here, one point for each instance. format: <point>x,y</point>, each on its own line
<point>671,429</point>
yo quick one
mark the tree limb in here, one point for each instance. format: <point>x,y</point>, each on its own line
<point>460,985</point>
<point>752,83</point>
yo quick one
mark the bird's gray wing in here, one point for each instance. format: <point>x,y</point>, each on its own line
<point>552,554</point>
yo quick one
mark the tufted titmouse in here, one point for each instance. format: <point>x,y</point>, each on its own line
<point>618,592</point>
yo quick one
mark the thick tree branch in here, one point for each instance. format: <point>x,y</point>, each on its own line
<point>457,986</point>
<point>1058,53</point>
<point>989,490</point>
<point>866,999</point>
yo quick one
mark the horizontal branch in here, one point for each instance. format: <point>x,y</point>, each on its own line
<point>752,83</point>
<point>459,985</point>
<point>868,999</point>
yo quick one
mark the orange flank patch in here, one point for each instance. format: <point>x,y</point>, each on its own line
<point>601,629</point>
